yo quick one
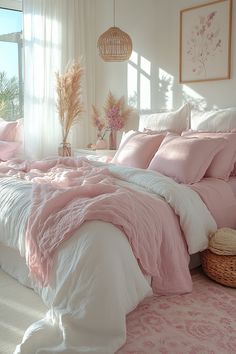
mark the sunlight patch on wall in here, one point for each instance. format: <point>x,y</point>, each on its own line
<point>151,88</point>
<point>166,82</point>
<point>145,93</point>
<point>145,65</point>
<point>197,101</point>
<point>139,82</point>
<point>132,76</point>
<point>145,84</point>
<point>134,58</point>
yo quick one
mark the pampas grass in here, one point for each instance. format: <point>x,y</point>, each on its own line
<point>116,114</point>
<point>69,97</point>
<point>97,121</point>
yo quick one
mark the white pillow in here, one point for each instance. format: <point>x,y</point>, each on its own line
<point>221,120</point>
<point>173,121</point>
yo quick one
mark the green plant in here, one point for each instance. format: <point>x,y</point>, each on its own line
<point>9,97</point>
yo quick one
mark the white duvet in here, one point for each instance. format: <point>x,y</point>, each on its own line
<point>95,279</point>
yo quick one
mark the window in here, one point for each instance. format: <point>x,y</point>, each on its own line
<point>11,60</point>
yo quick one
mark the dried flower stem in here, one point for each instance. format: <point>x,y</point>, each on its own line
<point>69,97</point>
<point>115,115</point>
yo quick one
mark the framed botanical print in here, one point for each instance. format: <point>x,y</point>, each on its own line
<point>205,42</point>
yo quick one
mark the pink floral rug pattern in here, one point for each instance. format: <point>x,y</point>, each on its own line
<point>203,322</point>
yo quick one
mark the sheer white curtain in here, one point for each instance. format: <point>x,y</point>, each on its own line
<point>55,33</point>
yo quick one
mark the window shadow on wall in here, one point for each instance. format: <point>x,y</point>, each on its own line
<point>150,88</point>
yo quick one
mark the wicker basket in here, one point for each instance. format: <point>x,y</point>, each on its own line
<point>220,268</point>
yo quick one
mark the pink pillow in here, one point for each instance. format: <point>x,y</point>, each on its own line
<point>185,159</point>
<point>234,171</point>
<point>7,130</point>
<point>19,130</point>
<point>8,149</point>
<point>223,163</point>
<point>138,149</point>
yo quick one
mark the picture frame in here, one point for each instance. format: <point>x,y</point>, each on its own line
<point>205,42</point>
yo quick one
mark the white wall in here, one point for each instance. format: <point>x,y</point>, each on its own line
<point>154,28</point>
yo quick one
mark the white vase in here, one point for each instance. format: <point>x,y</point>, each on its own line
<point>101,144</point>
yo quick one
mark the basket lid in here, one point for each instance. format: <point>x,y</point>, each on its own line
<point>223,241</point>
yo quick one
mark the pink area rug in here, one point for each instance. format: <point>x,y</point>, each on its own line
<point>203,322</point>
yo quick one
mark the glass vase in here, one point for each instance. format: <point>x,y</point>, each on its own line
<point>64,149</point>
<point>112,140</point>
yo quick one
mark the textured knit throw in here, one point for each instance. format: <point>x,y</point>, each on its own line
<point>223,242</point>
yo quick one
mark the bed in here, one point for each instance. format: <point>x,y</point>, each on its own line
<point>98,238</point>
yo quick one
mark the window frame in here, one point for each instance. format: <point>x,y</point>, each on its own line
<point>16,5</point>
<point>11,5</point>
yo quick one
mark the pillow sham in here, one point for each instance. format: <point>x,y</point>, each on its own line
<point>126,135</point>
<point>173,121</point>
<point>7,130</point>
<point>221,120</point>
<point>233,173</point>
<point>19,130</point>
<point>137,149</point>
<point>222,164</point>
<point>185,159</point>
<point>8,149</point>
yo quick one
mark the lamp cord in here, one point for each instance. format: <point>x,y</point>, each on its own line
<point>114,12</point>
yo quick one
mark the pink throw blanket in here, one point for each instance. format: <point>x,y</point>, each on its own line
<point>67,192</point>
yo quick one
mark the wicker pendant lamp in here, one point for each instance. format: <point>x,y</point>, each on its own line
<point>114,44</point>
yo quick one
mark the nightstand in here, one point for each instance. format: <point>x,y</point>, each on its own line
<point>109,153</point>
<point>83,152</point>
<point>98,155</point>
